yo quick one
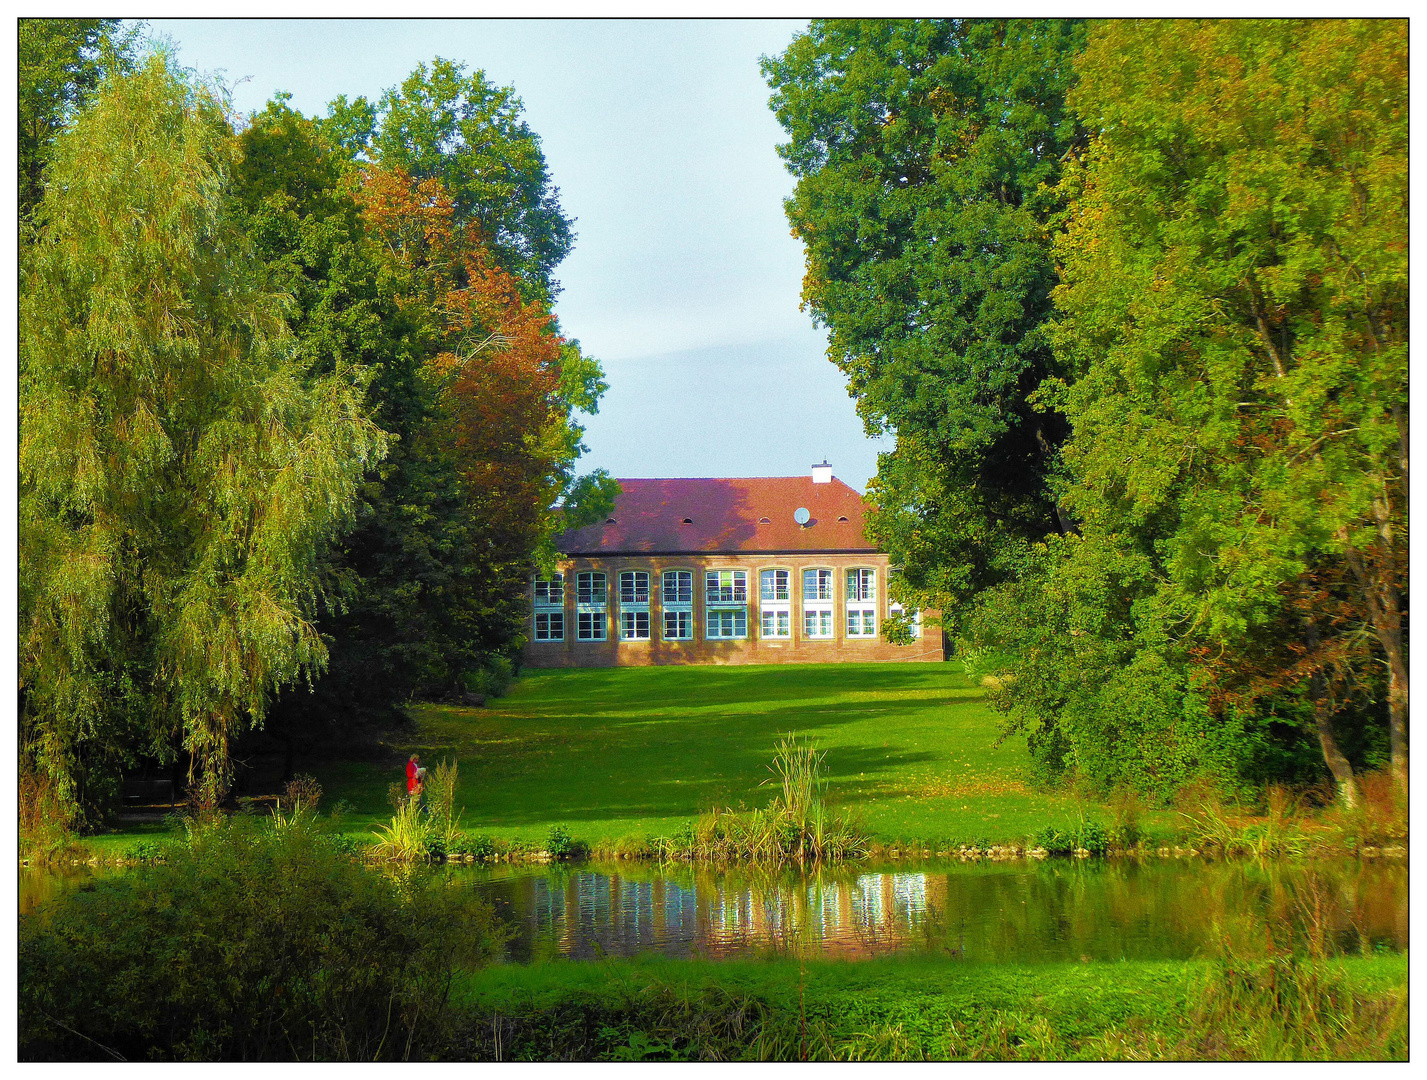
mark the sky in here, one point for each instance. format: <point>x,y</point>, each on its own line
<point>684,281</point>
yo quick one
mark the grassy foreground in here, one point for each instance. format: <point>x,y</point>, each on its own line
<point>637,752</point>
<point>909,1009</point>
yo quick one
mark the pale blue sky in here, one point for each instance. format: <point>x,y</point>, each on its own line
<point>684,280</point>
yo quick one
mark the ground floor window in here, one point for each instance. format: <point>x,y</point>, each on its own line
<point>861,622</point>
<point>913,621</point>
<point>678,625</point>
<point>817,622</point>
<point>727,623</point>
<point>777,623</point>
<point>591,626</point>
<point>550,626</point>
<point>634,625</point>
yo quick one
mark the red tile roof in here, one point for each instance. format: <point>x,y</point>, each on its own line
<point>724,515</point>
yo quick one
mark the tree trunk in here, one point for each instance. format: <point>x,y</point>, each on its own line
<point>1379,589</point>
<point>1338,765</point>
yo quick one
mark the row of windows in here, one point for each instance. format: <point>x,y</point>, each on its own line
<point>726,593</point>
<point>720,587</point>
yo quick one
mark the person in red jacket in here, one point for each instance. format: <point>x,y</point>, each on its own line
<point>413,775</point>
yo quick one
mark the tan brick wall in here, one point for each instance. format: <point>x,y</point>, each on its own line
<point>752,650</point>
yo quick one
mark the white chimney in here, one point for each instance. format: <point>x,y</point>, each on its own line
<point>822,474</point>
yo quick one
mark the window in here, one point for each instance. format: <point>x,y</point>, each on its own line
<point>861,603</point>
<point>679,587</point>
<point>550,626</point>
<point>678,625</point>
<point>817,604</point>
<point>817,584</point>
<point>727,623</point>
<point>777,623</point>
<point>550,592</point>
<point>773,585</point>
<point>590,589</point>
<point>590,626</point>
<point>633,587</point>
<point>634,625</point>
<point>914,619</point>
<point>726,586</point>
<point>775,607</point>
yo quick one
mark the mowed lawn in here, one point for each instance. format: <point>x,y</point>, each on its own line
<point>636,752</point>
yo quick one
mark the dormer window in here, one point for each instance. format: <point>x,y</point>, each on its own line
<point>688,521</point>
<point>843,520</point>
<point>764,521</point>
<point>611,521</point>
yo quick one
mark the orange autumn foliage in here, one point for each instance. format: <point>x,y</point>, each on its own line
<point>494,356</point>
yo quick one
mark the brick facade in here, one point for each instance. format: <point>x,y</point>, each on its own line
<point>754,648</point>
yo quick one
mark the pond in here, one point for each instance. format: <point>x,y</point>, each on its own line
<point>1024,912</point>
<point>996,912</point>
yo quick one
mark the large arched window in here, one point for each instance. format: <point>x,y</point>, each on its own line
<point>862,603</point>
<point>677,602</point>
<point>775,603</point>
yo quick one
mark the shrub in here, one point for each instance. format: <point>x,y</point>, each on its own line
<point>251,943</point>
<point>559,844</point>
<point>409,836</point>
<point>302,792</point>
<point>480,848</point>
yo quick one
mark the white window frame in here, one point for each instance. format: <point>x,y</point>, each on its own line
<point>818,622</point>
<point>775,615</point>
<point>554,592</point>
<point>895,608</point>
<point>629,624</point>
<point>630,611</point>
<point>688,623</point>
<point>552,633</point>
<point>676,606</point>
<point>598,622</point>
<point>860,607</point>
<point>737,587</point>
<point>732,615</point>
<point>590,613</point>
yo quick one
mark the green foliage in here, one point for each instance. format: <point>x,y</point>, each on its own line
<point>562,847</point>
<point>927,154</point>
<point>410,837</point>
<point>249,943</point>
<point>470,134</point>
<point>179,467</point>
<point>60,64</point>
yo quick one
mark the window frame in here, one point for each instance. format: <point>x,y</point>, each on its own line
<point>547,604</point>
<point>736,613</point>
<point>676,611</point>
<point>780,610</point>
<point>551,635</point>
<point>818,610</point>
<point>592,615</point>
<point>735,600</point>
<point>629,623</point>
<point>859,603</point>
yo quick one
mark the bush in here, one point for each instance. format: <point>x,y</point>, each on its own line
<point>559,844</point>
<point>1085,836</point>
<point>480,848</point>
<point>253,942</point>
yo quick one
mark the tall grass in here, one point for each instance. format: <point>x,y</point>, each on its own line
<point>795,827</point>
<point>407,838</point>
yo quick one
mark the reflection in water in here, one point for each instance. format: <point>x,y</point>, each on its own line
<point>1000,912</point>
<point>1018,912</point>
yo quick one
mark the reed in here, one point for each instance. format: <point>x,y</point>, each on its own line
<point>408,837</point>
<point>795,827</point>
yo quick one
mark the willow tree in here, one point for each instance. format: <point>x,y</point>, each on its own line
<point>178,466</point>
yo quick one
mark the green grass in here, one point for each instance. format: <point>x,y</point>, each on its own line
<point>632,752</point>
<point>879,1009</point>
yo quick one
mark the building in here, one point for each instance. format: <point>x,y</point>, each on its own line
<point>764,570</point>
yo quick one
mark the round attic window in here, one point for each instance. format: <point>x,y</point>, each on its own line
<point>688,521</point>
<point>609,521</point>
<point>842,519</point>
<point>764,521</point>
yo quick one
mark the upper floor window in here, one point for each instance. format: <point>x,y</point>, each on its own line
<point>817,584</point>
<point>678,586</point>
<point>726,586</point>
<point>634,587</point>
<point>550,592</point>
<point>590,588</point>
<point>773,585</point>
<point>861,585</point>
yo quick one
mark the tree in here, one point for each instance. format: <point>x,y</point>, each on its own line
<point>442,124</point>
<point>927,154</point>
<point>60,63</point>
<point>1235,298</point>
<point>478,390</point>
<point>179,467</point>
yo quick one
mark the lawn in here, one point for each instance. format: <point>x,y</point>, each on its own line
<point>635,752</point>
